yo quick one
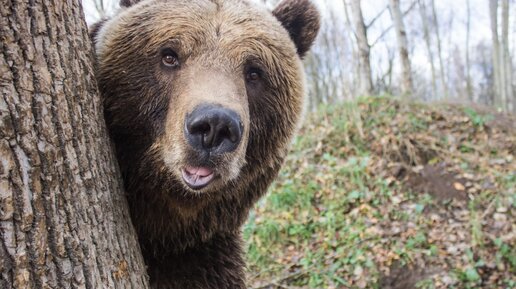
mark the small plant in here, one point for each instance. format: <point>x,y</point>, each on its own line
<point>477,119</point>
<point>425,284</point>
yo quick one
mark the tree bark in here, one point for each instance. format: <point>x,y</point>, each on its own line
<point>64,221</point>
<point>401,37</point>
<point>366,82</point>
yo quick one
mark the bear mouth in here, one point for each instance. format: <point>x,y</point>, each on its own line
<point>197,177</point>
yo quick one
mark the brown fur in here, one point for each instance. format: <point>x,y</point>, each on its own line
<point>191,238</point>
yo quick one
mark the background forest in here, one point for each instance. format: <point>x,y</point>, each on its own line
<point>456,51</point>
<point>382,189</point>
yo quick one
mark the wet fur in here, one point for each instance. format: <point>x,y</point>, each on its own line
<point>192,239</point>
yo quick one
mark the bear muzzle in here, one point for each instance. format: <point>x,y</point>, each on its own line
<point>213,133</point>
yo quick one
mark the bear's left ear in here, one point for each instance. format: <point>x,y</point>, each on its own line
<point>301,19</point>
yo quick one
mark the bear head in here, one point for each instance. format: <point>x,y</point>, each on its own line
<point>201,99</point>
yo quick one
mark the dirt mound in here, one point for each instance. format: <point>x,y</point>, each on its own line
<point>436,181</point>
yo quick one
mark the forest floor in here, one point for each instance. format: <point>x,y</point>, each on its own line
<point>382,193</point>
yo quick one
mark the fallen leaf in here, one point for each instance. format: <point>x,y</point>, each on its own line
<point>458,186</point>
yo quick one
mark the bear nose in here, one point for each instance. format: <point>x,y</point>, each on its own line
<point>214,129</point>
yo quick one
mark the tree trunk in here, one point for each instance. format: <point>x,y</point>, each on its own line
<point>426,35</point>
<point>493,16</point>
<point>64,221</point>
<point>401,37</point>
<point>506,63</point>
<point>469,85</point>
<point>439,49</point>
<point>366,82</point>
<point>353,61</point>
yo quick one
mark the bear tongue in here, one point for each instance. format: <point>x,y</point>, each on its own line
<point>200,171</point>
<point>197,177</point>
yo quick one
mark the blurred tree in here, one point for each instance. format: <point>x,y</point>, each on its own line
<point>401,37</point>
<point>469,86</point>
<point>365,74</point>
<point>428,42</point>
<point>502,60</point>
<point>493,13</point>
<point>439,50</point>
<point>506,65</point>
<point>104,8</point>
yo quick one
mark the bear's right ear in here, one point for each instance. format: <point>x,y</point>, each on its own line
<point>128,3</point>
<point>302,21</point>
<point>95,28</point>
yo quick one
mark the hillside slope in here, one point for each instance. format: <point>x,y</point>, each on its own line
<point>386,194</point>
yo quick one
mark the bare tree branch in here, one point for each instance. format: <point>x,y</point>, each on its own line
<point>382,35</point>
<point>371,23</point>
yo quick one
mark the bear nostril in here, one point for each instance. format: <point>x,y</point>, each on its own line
<point>199,127</point>
<point>213,128</point>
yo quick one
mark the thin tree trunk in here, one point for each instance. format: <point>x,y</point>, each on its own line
<point>316,96</point>
<point>339,47</point>
<point>497,75</point>
<point>366,82</point>
<point>101,9</point>
<point>469,86</point>
<point>355,62</point>
<point>401,37</point>
<point>330,90</point>
<point>426,35</point>
<point>506,63</point>
<point>64,222</point>
<point>439,50</point>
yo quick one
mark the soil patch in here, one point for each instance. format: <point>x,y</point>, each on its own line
<point>403,277</point>
<point>436,181</point>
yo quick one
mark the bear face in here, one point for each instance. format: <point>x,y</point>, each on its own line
<point>201,99</point>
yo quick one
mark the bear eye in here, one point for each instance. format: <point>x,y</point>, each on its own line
<point>169,58</point>
<point>253,74</point>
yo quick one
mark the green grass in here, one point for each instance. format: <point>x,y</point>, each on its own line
<point>337,218</point>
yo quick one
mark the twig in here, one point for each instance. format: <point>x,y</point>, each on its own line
<point>390,27</point>
<point>371,23</point>
<point>284,278</point>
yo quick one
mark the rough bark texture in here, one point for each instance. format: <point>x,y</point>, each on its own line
<point>366,82</point>
<point>401,37</point>
<point>64,221</point>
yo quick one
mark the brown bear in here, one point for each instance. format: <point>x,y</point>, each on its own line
<point>201,99</point>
